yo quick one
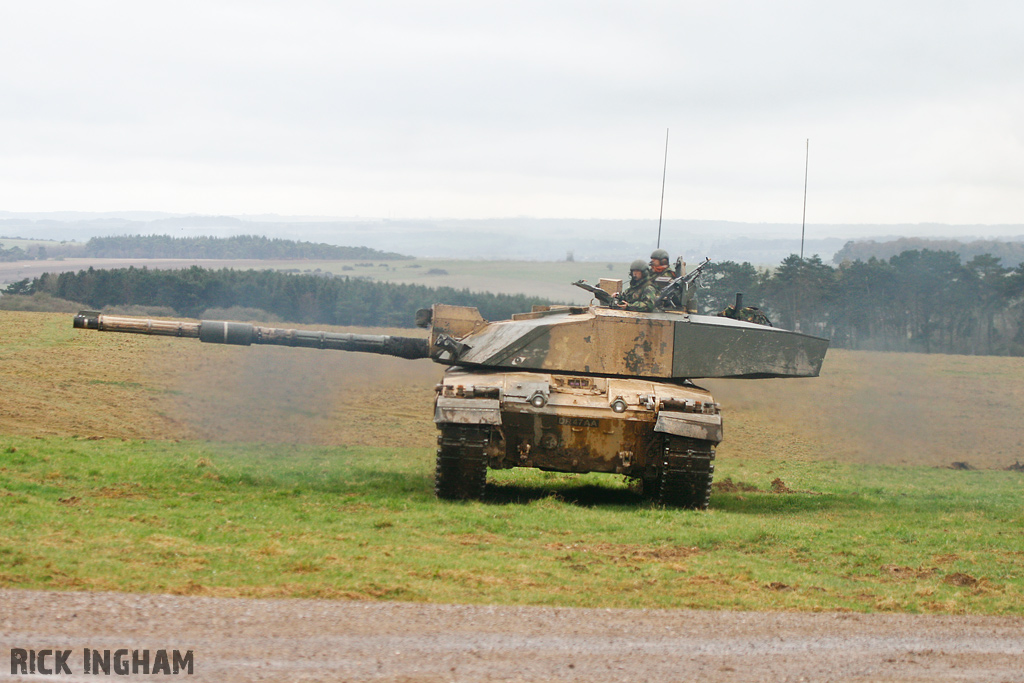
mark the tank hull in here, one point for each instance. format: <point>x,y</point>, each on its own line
<point>570,423</point>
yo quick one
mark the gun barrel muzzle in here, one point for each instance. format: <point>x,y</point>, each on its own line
<point>93,320</point>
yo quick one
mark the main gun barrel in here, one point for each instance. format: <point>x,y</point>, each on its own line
<point>244,334</point>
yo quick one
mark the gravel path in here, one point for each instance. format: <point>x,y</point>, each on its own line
<point>312,640</point>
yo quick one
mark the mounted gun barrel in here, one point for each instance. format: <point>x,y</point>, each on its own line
<point>606,298</point>
<point>244,334</point>
<point>677,286</point>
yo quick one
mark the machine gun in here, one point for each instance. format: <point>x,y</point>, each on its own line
<point>678,285</point>
<point>602,296</point>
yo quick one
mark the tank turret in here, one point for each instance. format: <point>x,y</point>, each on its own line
<point>670,345</point>
<point>561,388</point>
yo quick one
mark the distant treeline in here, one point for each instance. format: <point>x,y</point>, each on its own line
<point>165,246</point>
<point>14,254</point>
<point>918,300</point>
<point>306,299</point>
<point>926,301</point>
<point>1010,253</point>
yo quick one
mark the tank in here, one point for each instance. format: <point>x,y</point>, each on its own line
<point>561,388</point>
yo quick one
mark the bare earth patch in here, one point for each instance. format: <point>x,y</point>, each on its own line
<point>881,408</point>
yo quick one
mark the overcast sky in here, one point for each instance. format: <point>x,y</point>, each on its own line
<point>914,110</point>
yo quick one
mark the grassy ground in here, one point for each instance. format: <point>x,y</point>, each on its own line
<point>361,522</point>
<point>143,464</point>
<point>883,408</point>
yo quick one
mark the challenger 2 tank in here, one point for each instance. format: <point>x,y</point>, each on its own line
<point>562,388</point>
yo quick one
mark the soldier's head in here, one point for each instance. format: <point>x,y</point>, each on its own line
<point>659,260</point>
<point>637,270</point>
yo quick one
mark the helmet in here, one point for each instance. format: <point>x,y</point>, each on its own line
<point>640,265</point>
<point>659,254</point>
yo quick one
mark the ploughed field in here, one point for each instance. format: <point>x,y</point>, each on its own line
<point>160,465</point>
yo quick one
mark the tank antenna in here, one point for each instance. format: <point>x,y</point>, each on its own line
<point>803,223</point>
<point>661,211</point>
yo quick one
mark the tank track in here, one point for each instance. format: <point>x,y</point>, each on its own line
<point>461,472</point>
<point>686,469</point>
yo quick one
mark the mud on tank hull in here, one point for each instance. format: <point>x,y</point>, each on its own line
<point>661,433</point>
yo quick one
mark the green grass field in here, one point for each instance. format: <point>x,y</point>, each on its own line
<point>256,520</point>
<point>160,465</point>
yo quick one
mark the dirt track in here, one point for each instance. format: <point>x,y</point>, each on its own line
<point>306,640</point>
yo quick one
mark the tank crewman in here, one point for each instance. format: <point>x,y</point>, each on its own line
<point>750,314</point>
<point>641,293</point>
<point>661,274</point>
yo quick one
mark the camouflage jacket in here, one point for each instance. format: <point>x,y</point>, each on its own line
<point>750,314</point>
<point>640,297</point>
<point>660,280</point>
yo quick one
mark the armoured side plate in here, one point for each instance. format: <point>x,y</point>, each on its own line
<point>691,425</point>
<point>471,411</point>
<point>720,347</point>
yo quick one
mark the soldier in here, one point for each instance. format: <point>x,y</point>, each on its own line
<point>750,314</point>
<point>641,294</point>
<point>661,274</point>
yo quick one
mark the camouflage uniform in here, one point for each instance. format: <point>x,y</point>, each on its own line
<point>640,296</point>
<point>684,300</point>
<point>660,278</point>
<point>750,314</point>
